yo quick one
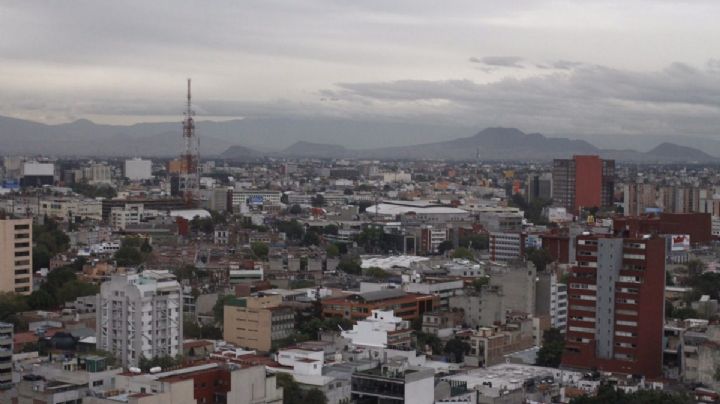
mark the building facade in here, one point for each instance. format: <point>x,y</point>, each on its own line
<point>140,315</point>
<point>257,322</point>
<point>16,245</point>
<point>583,182</point>
<point>616,305</point>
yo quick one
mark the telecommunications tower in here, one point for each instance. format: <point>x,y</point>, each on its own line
<point>189,185</point>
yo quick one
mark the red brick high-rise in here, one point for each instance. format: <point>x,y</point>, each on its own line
<point>616,305</point>
<point>583,182</point>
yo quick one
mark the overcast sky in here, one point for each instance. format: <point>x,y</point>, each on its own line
<point>560,67</point>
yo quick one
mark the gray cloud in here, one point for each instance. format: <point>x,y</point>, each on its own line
<point>499,61</point>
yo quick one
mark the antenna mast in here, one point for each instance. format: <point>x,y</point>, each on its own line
<point>190,159</point>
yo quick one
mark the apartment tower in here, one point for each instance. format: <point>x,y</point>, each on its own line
<point>616,305</point>
<point>16,273</point>
<point>583,182</point>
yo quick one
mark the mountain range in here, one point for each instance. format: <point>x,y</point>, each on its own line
<point>254,138</point>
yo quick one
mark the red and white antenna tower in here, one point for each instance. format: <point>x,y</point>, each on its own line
<point>190,159</point>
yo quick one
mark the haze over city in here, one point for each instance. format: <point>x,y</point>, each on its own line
<point>359,202</point>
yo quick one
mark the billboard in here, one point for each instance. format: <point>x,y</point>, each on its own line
<point>680,242</point>
<point>256,200</point>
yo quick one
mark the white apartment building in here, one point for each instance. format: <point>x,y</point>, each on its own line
<point>255,197</point>
<point>64,208</point>
<point>121,217</point>
<point>138,169</point>
<point>140,315</point>
<point>97,174</point>
<point>16,246</point>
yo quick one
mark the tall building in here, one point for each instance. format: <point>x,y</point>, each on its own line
<point>16,273</point>
<point>140,315</point>
<point>638,197</point>
<point>583,182</point>
<point>616,305</point>
<point>539,186</point>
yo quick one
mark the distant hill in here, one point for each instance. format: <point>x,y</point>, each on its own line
<point>490,144</point>
<point>322,150</point>
<point>241,153</point>
<point>673,151</point>
<point>318,138</point>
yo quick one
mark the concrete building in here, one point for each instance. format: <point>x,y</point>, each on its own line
<point>551,299</point>
<point>35,174</point>
<point>507,246</point>
<point>16,245</point>
<point>70,208</point>
<point>638,197</point>
<point>381,329</point>
<point>583,182</point>
<point>539,186</point>
<point>138,169</point>
<point>140,315</point>
<point>394,381</point>
<point>358,306</point>
<point>256,322</point>
<point>443,288</point>
<point>616,305</point>
<point>6,352</point>
<point>97,174</point>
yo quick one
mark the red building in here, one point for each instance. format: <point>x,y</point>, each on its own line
<point>697,225</point>
<point>557,243</point>
<point>616,305</point>
<point>583,182</point>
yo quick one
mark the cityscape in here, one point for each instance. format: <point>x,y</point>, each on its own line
<point>501,233</point>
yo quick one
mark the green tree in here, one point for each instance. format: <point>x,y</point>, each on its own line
<point>291,390</point>
<point>608,394</point>
<point>684,313</point>
<point>219,307</point>
<point>295,209</point>
<point>128,257</point>
<point>432,341</point>
<point>191,329</point>
<point>332,251</point>
<point>73,289</point>
<point>695,267</point>
<point>350,265</point>
<point>292,229</point>
<point>463,253</point>
<point>445,246</point>
<point>146,247</point>
<point>40,299</point>
<point>478,283</point>
<point>318,201</point>
<point>330,229</point>
<point>540,257</point>
<point>10,305</point>
<point>315,396</point>
<point>377,273</point>
<point>475,241</point>
<point>552,348</point>
<point>260,249</point>
<point>311,238</point>
<point>457,349</point>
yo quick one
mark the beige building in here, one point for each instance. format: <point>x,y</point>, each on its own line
<point>16,255</point>
<point>257,322</point>
<point>64,208</point>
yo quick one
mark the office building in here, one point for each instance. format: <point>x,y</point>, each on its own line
<point>507,246</point>
<point>140,315</point>
<point>138,169</point>
<point>256,322</point>
<point>16,245</point>
<point>616,305</point>
<point>36,174</point>
<point>583,182</point>
<point>539,186</point>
